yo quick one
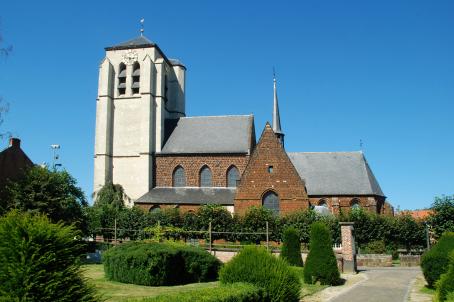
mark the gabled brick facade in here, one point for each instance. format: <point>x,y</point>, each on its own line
<point>270,169</point>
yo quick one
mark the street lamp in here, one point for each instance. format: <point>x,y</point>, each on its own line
<point>55,147</point>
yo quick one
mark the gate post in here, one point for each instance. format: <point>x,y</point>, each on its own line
<point>348,247</point>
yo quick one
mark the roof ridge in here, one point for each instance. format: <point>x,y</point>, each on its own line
<point>300,152</point>
<point>227,115</point>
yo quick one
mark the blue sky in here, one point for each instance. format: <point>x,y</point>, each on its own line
<point>380,71</point>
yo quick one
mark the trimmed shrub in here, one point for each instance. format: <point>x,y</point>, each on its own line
<point>256,266</point>
<point>156,264</point>
<point>435,262</point>
<point>321,264</point>
<point>291,248</point>
<point>446,283</point>
<point>39,261</point>
<point>236,292</point>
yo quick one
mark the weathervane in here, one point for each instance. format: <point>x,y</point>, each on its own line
<point>142,27</point>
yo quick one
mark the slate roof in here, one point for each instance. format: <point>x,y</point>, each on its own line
<point>335,173</point>
<point>210,134</point>
<point>138,42</point>
<point>189,195</point>
<point>13,162</point>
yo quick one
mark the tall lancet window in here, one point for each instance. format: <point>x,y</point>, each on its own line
<point>135,78</point>
<point>206,177</point>
<point>122,79</point>
<point>232,176</point>
<point>271,201</point>
<point>179,177</point>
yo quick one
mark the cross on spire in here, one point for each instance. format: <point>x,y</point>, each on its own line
<point>142,21</point>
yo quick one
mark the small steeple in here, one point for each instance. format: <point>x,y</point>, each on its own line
<point>276,117</point>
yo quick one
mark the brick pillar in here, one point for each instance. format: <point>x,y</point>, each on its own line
<point>348,247</point>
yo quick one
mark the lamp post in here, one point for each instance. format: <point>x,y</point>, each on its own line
<point>55,157</point>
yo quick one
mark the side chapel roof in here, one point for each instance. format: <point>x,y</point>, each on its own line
<point>211,134</point>
<point>335,173</point>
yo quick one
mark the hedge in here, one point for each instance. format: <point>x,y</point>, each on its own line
<point>291,248</point>
<point>446,283</point>
<point>157,264</point>
<point>435,262</point>
<point>321,263</point>
<point>256,266</point>
<point>236,292</point>
<point>39,261</point>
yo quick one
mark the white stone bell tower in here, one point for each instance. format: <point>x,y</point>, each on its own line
<point>139,88</point>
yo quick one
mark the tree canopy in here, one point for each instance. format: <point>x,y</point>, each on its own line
<point>53,193</point>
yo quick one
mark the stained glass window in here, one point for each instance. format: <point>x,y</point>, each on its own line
<point>205,177</point>
<point>179,177</point>
<point>271,201</point>
<point>232,177</point>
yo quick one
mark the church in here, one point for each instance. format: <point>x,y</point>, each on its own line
<point>145,142</point>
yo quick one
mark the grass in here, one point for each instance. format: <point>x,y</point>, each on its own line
<point>112,291</point>
<point>307,289</point>
<point>427,290</point>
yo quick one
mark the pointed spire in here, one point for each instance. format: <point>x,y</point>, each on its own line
<point>276,117</point>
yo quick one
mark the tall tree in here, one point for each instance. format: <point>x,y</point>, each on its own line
<point>442,218</point>
<point>53,193</point>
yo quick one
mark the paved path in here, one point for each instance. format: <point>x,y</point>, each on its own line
<point>381,285</point>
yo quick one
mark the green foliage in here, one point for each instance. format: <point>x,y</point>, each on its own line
<point>236,292</point>
<point>39,260</point>
<point>156,264</point>
<point>375,247</point>
<point>446,283</point>
<point>450,297</point>
<point>291,248</point>
<point>435,262</point>
<point>407,231</point>
<point>110,195</point>
<point>53,193</point>
<point>442,219</point>
<point>321,264</point>
<point>301,221</point>
<point>257,266</point>
<point>255,221</point>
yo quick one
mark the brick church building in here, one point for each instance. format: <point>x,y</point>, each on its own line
<point>162,158</point>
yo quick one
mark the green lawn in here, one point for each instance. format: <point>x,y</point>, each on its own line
<point>113,291</point>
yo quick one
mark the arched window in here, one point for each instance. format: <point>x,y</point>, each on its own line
<point>179,177</point>
<point>205,177</point>
<point>155,209</point>
<point>135,78</point>
<point>323,203</point>
<point>232,176</point>
<point>122,79</point>
<point>355,204</point>
<point>271,201</point>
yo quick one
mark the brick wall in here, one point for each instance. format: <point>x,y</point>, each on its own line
<point>183,208</point>
<point>218,164</point>
<point>257,179</point>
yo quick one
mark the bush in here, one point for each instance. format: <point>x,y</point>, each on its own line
<point>291,248</point>
<point>446,283</point>
<point>375,247</point>
<point>450,297</point>
<point>236,292</point>
<point>257,266</point>
<point>39,261</point>
<point>321,263</point>
<point>435,262</point>
<point>156,264</point>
